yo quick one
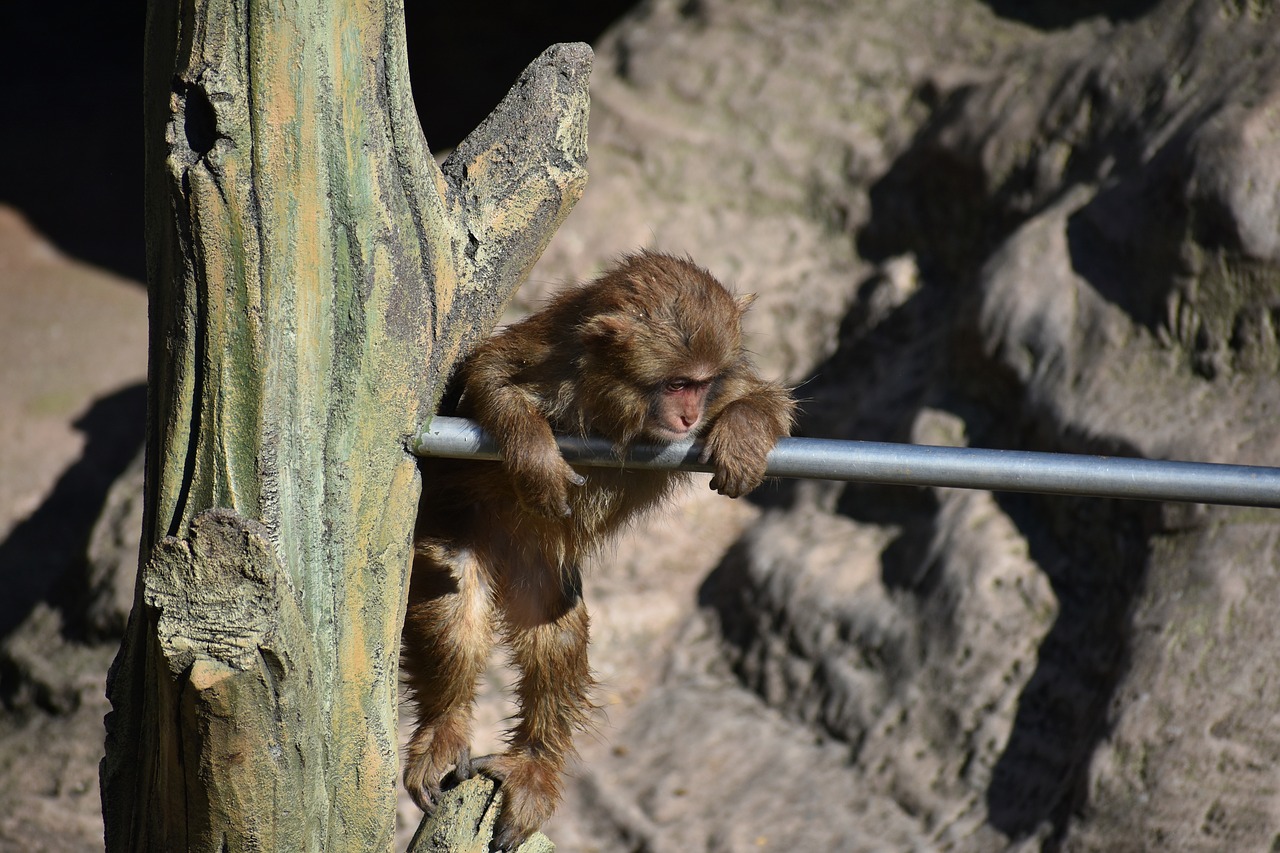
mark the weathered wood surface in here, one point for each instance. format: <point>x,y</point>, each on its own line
<point>313,276</point>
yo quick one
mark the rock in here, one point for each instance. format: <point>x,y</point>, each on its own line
<point>51,708</point>
<point>1065,240</point>
<point>112,558</point>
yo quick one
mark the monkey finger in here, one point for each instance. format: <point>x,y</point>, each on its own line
<point>577,479</point>
<point>545,496</point>
<point>727,486</point>
<point>561,503</point>
<point>737,481</point>
<point>551,506</point>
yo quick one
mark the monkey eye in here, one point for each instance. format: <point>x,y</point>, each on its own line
<point>678,384</point>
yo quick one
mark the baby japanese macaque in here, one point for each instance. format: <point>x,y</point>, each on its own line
<point>651,351</point>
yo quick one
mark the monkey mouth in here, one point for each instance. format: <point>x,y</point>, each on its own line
<point>673,434</point>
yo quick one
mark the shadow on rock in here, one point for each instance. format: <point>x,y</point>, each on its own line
<point>42,550</point>
<point>1095,554</point>
<point>1057,15</point>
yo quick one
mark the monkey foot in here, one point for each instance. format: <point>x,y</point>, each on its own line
<point>530,791</point>
<point>463,769</point>
<point>425,779</point>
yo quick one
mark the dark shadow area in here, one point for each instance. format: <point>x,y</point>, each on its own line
<point>743,613</point>
<point>51,541</point>
<point>904,564</point>
<point>1130,243</point>
<point>71,150</point>
<point>1059,14</point>
<point>943,201</point>
<point>463,57</point>
<point>71,154</point>
<point>1127,241</point>
<point>1094,554</point>
<point>773,493</point>
<point>889,357</point>
<point>902,213</point>
<point>933,201</point>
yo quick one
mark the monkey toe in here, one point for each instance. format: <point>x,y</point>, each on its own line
<point>495,765</point>
<point>508,838</point>
<point>520,818</point>
<point>425,795</point>
<point>425,777</point>
<point>530,792</point>
<point>463,769</point>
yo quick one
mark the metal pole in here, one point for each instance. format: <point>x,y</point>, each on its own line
<point>918,465</point>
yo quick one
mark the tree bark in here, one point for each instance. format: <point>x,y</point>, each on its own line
<point>313,277</point>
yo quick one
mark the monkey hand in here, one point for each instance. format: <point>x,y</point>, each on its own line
<point>737,445</point>
<point>542,479</point>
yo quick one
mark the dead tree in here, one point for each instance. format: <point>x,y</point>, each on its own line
<point>313,277</point>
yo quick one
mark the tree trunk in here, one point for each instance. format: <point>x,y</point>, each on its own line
<point>313,277</point>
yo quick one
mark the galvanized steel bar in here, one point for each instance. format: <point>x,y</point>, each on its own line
<point>918,465</point>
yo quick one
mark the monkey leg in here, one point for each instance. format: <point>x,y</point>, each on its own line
<point>546,626</point>
<point>448,634</point>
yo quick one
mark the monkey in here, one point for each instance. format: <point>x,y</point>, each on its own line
<point>650,351</point>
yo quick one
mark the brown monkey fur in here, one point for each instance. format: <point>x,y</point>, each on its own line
<point>650,351</point>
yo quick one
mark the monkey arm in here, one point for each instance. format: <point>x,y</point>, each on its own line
<point>744,431</point>
<point>513,412</point>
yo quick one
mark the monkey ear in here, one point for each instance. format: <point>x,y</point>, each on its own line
<point>606,329</point>
<point>745,301</point>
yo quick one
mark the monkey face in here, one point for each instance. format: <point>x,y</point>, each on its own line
<point>677,409</point>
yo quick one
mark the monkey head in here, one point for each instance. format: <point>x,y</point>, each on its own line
<point>658,338</point>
